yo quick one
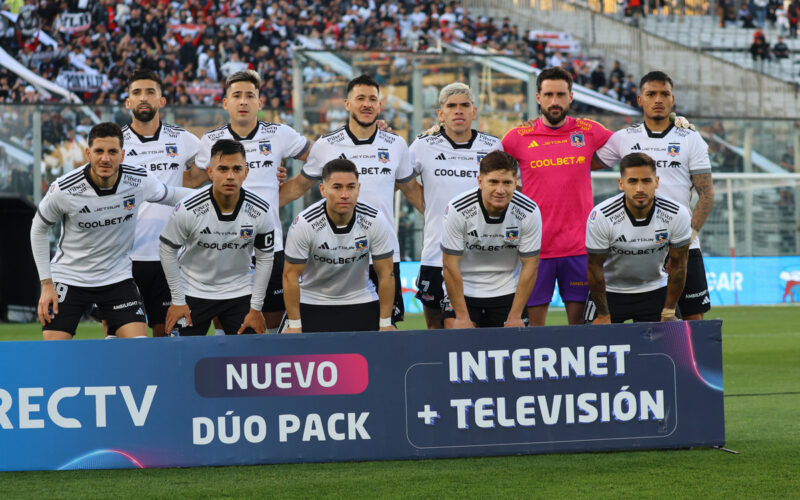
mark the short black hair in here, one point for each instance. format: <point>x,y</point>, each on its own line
<point>498,160</point>
<point>225,147</point>
<point>146,74</point>
<point>636,160</point>
<point>338,165</point>
<point>554,73</point>
<point>247,75</point>
<point>656,76</point>
<point>364,79</point>
<point>106,129</point>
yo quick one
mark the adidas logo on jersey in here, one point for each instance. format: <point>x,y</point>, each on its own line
<point>622,239</point>
<point>131,152</point>
<point>85,210</point>
<point>324,246</point>
<point>706,300</point>
<point>342,157</point>
<point>636,147</point>
<point>206,231</point>
<point>473,233</point>
<point>441,157</point>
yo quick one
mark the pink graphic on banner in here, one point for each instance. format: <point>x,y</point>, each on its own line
<point>290,375</point>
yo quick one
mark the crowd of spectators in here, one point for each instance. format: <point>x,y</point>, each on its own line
<point>194,44</point>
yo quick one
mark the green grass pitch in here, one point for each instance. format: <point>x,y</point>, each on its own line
<point>761,353</point>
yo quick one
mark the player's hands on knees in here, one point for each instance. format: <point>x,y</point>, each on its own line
<point>293,330</point>
<point>602,319</point>
<point>47,300</point>
<point>382,125</point>
<point>281,174</point>
<point>514,322</point>
<point>255,320</point>
<point>462,323</point>
<point>390,328</point>
<point>174,314</point>
<point>670,317</point>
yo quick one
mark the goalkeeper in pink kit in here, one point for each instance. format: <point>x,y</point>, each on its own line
<point>555,161</point>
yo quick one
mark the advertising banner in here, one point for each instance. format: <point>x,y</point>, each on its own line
<point>359,396</point>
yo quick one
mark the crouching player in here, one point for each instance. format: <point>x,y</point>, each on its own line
<point>628,237</point>
<point>491,242</point>
<point>326,285</point>
<point>218,230</point>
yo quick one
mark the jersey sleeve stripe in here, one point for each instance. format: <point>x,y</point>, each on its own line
<point>166,192</point>
<point>309,176</point>
<point>366,209</point>
<point>530,254</point>
<point>303,151</point>
<point>383,256</point>
<point>681,243</point>
<point>665,203</point>
<point>70,177</point>
<point>134,173</point>
<point>449,251</point>
<point>463,206</point>
<point>64,185</point>
<point>406,179</point>
<point>294,260</point>
<point>39,212</point>
<point>700,171</point>
<point>597,251</point>
<point>523,203</point>
<point>333,132</point>
<point>169,243</point>
<point>472,193</point>
<point>197,202</point>
<point>599,160</point>
<point>197,196</point>
<point>309,217</point>
<point>260,203</point>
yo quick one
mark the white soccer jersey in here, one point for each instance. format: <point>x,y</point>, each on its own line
<point>447,169</point>
<point>491,248</point>
<point>215,263</point>
<point>97,226</point>
<point>679,153</point>
<point>265,147</point>
<point>381,161</point>
<point>337,259</point>
<point>165,155</point>
<point>636,249</point>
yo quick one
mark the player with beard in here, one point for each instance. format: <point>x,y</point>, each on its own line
<point>555,158</point>
<point>681,157</point>
<point>382,161</point>
<point>167,152</point>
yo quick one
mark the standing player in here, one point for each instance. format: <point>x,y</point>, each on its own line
<point>219,229</point>
<point>97,205</point>
<point>448,162</point>
<point>266,146</point>
<point>627,238</point>
<point>381,158</point>
<point>681,157</point>
<point>167,152</point>
<point>555,157</point>
<point>326,277</point>
<point>491,241</point>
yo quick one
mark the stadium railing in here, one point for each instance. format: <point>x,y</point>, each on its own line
<point>765,207</point>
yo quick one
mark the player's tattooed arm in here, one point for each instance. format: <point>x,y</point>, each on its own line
<point>597,287</point>
<point>676,281</point>
<point>704,186</point>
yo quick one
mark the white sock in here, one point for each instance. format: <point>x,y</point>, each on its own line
<point>219,331</point>
<point>110,337</point>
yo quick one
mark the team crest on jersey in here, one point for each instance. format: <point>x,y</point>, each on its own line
<point>661,237</point>
<point>512,234</point>
<point>265,148</point>
<point>383,155</point>
<point>246,232</point>
<point>129,203</point>
<point>480,157</point>
<point>576,139</point>
<point>361,244</point>
<point>52,187</point>
<point>172,150</point>
<point>593,216</point>
<point>674,149</point>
